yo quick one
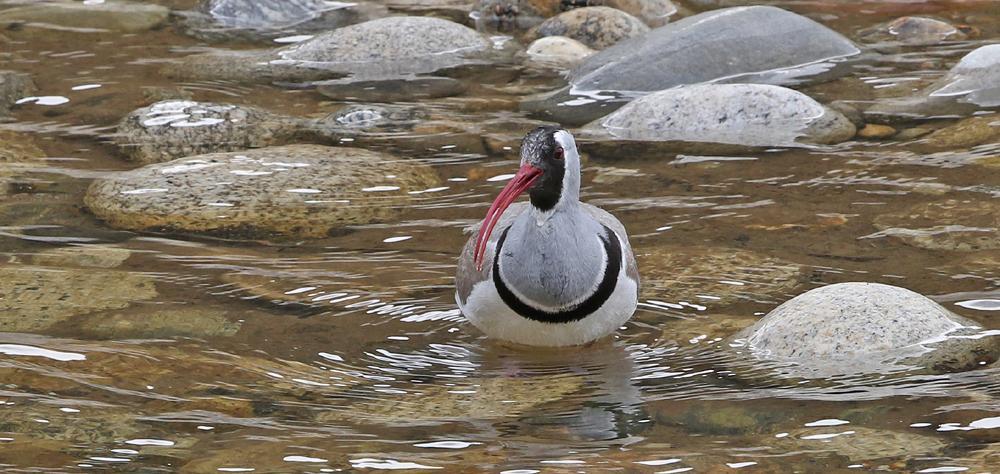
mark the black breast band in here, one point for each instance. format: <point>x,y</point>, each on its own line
<point>604,290</point>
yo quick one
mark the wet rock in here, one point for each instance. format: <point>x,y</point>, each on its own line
<point>745,44</point>
<point>383,49</point>
<point>854,328</point>
<point>218,20</point>
<point>719,418</point>
<point>556,52</point>
<point>160,323</point>
<point>750,115</point>
<point>513,15</point>
<point>652,12</point>
<point>85,256</point>
<point>287,191</point>
<point>406,89</point>
<point>972,85</point>
<point>110,15</point>
<point>172,129</point>
<point>454,10</point>
<point>37,298</point>
<point>966,133</point>
<point>14,86</point>
<point>950,225</point>
<point>913,30</point>
<point>464,400</point>
<point>596,27</point>
<point>715,276</point>
<point>849,111</point>
<point>859,443</point>
<point>913,133</point>
<point>874,132</point>
<point>110,427</point>
<point>17,152</point>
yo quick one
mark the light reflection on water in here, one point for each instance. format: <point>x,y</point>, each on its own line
<point>347,353</point>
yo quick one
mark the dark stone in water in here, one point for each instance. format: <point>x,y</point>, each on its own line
<point>746,44</point>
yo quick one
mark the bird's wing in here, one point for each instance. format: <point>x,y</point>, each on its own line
<point>467,276</point>
<point>628,257</point>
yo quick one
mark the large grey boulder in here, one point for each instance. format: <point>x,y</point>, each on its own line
<point>748,115</point>
<point>761,44</point>
<point>856,328</point>
<point>384,49</point>
<point>972,85</point>
<point>297,191</point>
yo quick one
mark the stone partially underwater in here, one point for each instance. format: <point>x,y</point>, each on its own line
<point>862,328</point>
<point>761,44</point>
<point>696,118</point>
<point>972,85</point>
<point>220,20</point>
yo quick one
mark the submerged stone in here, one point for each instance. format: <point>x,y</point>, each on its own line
<point>13,87</point>
<point>511,15</point>
<point>596,27</point>
<point>950,225</point>
<point>383,49</point>
<point>175,128</point>
<point>966,133</point>
<point>856,328</point>
<point>160,323</point>
<point>556,52</point>
<point>972,85</point>
<point>286,191</point>
<point>745,44</point>
<point>37,298</point>
<point>913,30</point>
<point>110,15</point>
<point>263,19</point>
<point>751,115</point>
<point>652,12</point>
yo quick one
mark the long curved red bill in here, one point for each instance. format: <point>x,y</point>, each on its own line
<point>525,177</point>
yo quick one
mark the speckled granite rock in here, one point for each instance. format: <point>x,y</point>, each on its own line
<point>18,153</point>
<point>852,328</point>
<point>113,15</point>
<point>387,48</point>
<point>13,86</point>
<point>596,27</point>
<point>653,12</point>
<point>173,128</point>
<point>752,115</point>
<point>965,133</point>
<point>464,400</point>
<point>972,85</point>
<point>85,256</point>
<point>913,30</point>
<point>714,276</point>
<point>37,298</point>
<point>216,20</point>
<point>952,225</point>
<point>292,191</point>
<point>556,52</point>
<point>745,44</point>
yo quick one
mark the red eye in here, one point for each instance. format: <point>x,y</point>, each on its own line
<point>559,153</point>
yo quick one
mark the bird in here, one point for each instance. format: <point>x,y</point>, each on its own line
<point>552,271</point>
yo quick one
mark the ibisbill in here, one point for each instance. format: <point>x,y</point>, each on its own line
<point>553,271</point>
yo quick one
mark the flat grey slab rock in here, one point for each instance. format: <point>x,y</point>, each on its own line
<point>387,48</point>
<point>751,115</point>
<point>296,191</point>
<point>855,328</point>
<point>744,44</point>
<point>972,85</point>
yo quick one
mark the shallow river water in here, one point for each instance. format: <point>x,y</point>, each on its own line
<point>180,353</point>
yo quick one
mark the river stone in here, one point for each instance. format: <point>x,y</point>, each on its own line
<point>913,30</point>
<point>859,443</point>
<point>759,44</point>
<point>387,48</point>
<point>966,133</point>
<point>596,27</point>
<point>652,12</point>
<point>290,191</point>
<point>556,52</point>
<point>37,298</point>
<point>752,115</point>
<point>175,128</point>
<point>216,20</point>
<point>853,328</point>
<point>972,85</point>
<point>950,225</point>
<point>511,15</point>
<point>86,256</point>
<point>159,323</point>
<point>14,86</point>
<point>110,15</point>
<point>462,401</point>
<point>715,276</point>
<point>18,153</point>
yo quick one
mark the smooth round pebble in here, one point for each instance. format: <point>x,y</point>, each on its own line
<point>596,27</point>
